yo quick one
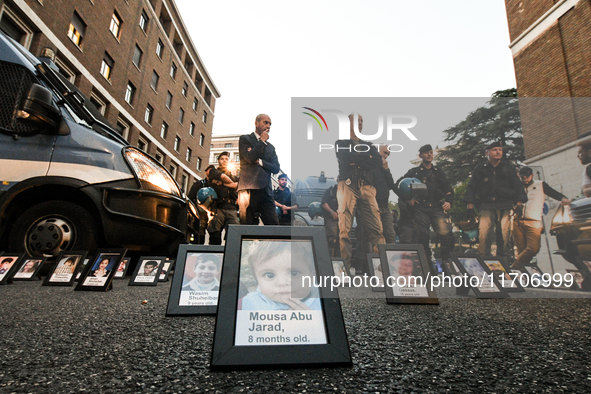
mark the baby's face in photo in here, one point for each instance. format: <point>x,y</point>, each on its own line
<point>206,271</point>
<point>473,267</point>
<point>405,268</point>
<point>280,278</point>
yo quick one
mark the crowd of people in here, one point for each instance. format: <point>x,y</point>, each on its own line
<point>509,202</point>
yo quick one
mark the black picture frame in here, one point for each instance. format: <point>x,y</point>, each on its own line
<point>375,271</point>
<point>181,292</point>
<point>9,263</point>
<point>59,274</point>
<point>450,268</point>
<point>99,277</point>
<point>496,266</point>
<point>165,271</point>
<point>577,279</point>
<point>122,268</point>
<point>341,270</point>
<point>140,279</point>
<point>231,349</point>
<point>26,272</point>
<point>414,287</point>
<point>470,266</point>
<point>81,268</point>
<point>533,271</point>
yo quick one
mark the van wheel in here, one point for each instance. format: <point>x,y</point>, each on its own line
<point>52,227</point>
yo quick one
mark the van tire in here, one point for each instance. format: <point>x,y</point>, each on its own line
<point>60,225</point>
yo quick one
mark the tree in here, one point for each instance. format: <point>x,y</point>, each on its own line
<point>499,120</point>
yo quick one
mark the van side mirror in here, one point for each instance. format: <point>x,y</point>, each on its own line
<point>37,110</point>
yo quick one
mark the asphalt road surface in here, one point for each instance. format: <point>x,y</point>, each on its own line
<point>57,340</point>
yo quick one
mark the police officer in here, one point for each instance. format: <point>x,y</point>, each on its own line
<point>284,200</point>
<point>192,195</point>
<point>432,210</point>
<point>330,206</point>
<point>496,190</point>
<point>356,193</point>
<point>383,182</point>
<point>225,209</point>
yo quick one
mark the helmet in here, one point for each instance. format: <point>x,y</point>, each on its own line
<point>205,193</point>
<point>314,209</point>
<point>412,188</point>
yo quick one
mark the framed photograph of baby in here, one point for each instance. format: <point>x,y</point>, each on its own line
<point>147,271</point>
<point>276,306</point>
<point>509,281</point>
<point>67,264</point>
<point>9,263</point>
<point>29,268</point>
<point>477,276</point>
<point>99,273</point>
<point>196,281</point>
<point>375,271</point>
<point>406,274</point>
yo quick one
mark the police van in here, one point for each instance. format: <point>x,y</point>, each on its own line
<point>68,181</point>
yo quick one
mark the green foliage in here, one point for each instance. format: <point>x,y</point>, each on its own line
<point>499,120</point>
<point>458,211</point>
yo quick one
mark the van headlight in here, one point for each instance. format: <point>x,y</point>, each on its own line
<point>151,174</point>
<point>562,216</point>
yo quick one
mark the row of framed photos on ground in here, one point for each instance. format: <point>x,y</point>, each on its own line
<point>73,266</point>
<point>267,313</point>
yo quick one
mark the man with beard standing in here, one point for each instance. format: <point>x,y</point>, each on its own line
<point>258,161</point>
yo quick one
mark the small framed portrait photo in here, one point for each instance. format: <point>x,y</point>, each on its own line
<point>196,282</point>
<point>9,263</point>
<point>99,273</point>
<point>375,271</point>
<point>406,274</point>
<point>510,283</point>
<point>450,268</point>
<point>165,272</point>
<point>273,309</point>
<point>67,266</point>
<point>122,268</point>
<point>147,271</point>
<point>341,270</point>
<point>478,277</point>
<point>29,268</point>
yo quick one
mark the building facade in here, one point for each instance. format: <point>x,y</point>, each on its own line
<point>551,46</point>
<point>136,62</point>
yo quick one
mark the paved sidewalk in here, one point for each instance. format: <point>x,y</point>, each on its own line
<point>60,341</point>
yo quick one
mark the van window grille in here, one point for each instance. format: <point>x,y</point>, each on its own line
<point>15,81</point>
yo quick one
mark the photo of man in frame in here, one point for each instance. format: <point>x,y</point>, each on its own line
<point>148,271</point>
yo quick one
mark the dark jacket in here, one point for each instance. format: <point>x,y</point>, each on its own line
<point>357,166</point>
<point>252,175</point>
<point>494,187</point>
<point>383,182</point>
<point>438,187</point>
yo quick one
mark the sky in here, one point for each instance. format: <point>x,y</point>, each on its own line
<point>260,54</point>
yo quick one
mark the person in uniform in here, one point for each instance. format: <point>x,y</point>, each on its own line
<point>495,189</point>
<point>285,200</point>
<point>383,182</point>
<point>224,208</point>
<point>527,229</point>
<point>357,159</point>
<point>330,207</point>
<point>433,209</point>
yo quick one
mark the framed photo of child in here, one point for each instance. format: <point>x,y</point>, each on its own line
<point>196,281</point>
<point>509,282</point>
<point>147,271</point>
<point>9,264</point>
<point>122,269</point>
<point>341,271</point>
<point>273,308</point>
<point>29,268</point>
<point>375,271</point>
<point>406,274</point>
<point>67,266</point>
<point>478,277</point>
<point>99,273</point>
<point>165,272</point>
